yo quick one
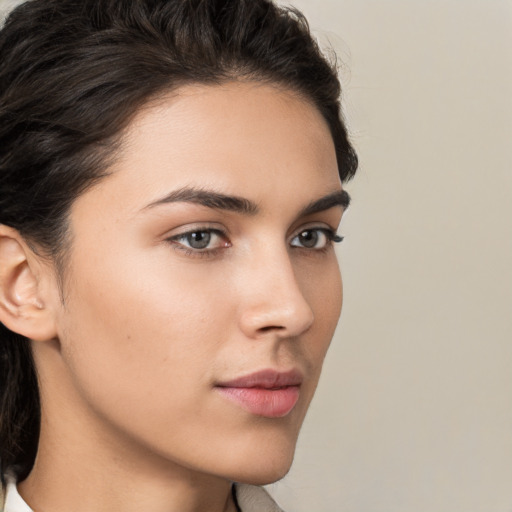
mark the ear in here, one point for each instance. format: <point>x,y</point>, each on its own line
<point>25,304</point>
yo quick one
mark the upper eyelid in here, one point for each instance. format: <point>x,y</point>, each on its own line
<point>222,230</point>
<point>312,226</point>
<point>225,232</point>
<point>197,230</point>
<point>315,228</point>
<point>193,228</point>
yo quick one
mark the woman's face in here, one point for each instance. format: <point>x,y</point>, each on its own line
<point>202,289</point>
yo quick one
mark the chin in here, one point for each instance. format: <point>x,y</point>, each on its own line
<point>263,475</point>
<point>266,477</point>
<point>264,464</point>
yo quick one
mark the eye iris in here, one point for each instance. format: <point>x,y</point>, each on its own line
<point>199,239</point>
<point>309,238</point>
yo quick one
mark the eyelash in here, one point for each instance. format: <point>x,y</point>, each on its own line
<point>178,241</point>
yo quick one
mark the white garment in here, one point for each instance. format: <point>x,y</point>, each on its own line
<point>250,499</point>
<point>13,501</point>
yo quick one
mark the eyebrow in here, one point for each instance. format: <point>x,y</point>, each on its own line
<point>338,198</point>
<point>219,201</point>
<point>210,199</point>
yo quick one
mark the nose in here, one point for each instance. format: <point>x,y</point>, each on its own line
<point>273,302</point>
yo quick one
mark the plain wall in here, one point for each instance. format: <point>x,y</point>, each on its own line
<point>414,409</point>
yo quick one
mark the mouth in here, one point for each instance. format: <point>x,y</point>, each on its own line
<point>267,393</point>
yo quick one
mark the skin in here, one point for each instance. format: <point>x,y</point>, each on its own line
<point>128,361</point>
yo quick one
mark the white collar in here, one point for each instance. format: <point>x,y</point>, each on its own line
<point>13,501</point>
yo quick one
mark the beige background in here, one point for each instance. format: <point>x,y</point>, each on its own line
<point>414,410</point>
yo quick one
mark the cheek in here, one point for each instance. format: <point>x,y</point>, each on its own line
<point>324,292</point>
<point>323,289</point>
<point>134,336</point>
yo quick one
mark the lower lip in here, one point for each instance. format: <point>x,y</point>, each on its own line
<point>271,403</point>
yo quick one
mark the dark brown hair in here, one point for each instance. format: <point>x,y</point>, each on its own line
<point>72,75</point>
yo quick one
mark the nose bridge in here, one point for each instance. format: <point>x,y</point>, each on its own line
<point>273,299</point>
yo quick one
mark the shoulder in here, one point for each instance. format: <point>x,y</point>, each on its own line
<point>252,498</point>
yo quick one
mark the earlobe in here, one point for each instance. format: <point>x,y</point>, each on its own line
<point>23,308</point>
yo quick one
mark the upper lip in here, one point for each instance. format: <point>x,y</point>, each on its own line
<point>267,379</point>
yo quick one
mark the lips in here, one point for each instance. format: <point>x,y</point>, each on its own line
<point>268,393</point>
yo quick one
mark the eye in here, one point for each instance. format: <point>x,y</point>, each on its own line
<point>315,238</point>
<point>200,240</point>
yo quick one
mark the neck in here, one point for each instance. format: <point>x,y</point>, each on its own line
<point>70,476</point>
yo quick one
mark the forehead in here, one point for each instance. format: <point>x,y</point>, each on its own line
<point>248,139</point>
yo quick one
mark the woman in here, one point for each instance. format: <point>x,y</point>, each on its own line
<point>170,190</point>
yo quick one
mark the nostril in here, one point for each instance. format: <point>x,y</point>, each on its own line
<point>271,328</point>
